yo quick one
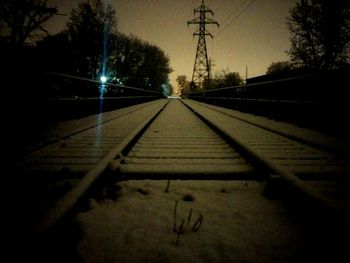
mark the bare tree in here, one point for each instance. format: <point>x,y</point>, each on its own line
<point>320,33</point>
<point>181,80</point>
<point>183,85</point>
<point>21,20</point>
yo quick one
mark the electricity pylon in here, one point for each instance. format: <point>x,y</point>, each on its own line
<point>201,69</point>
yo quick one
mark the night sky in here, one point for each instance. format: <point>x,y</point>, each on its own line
<point>255,37</point>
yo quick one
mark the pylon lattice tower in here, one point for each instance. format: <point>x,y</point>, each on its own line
<point>201,69</point>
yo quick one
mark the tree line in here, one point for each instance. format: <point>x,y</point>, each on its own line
<point>90,46</point>
<point>221,79</point>
<point>319,36</point>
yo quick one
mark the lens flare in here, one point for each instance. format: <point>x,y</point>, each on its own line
<point>103,79</point>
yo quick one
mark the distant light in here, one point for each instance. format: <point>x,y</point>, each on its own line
<point>103,79</point>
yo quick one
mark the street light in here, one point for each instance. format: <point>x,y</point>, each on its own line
<point>103,79</point>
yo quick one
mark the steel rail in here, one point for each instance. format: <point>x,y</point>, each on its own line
<point>66,135</point>
<point>65,204</point>
<point>268,164</point>
<point>70,199</point>
<point>314,142</point>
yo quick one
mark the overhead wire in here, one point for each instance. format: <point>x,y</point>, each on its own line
<point>234,11</point>
<point>235,17</point>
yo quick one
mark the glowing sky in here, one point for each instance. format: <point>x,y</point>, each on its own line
<point>254,38</point>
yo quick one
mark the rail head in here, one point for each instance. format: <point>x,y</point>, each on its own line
<point>70,199</point>
<point>268,164</point>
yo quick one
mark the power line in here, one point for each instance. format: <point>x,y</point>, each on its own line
<point>236,17</point>
<point>234,11</point>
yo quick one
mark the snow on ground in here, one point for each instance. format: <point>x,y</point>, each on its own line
<point>238,224</point>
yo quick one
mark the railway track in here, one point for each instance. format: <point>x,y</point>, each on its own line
<point>301,160</point>
<point>185,140</point>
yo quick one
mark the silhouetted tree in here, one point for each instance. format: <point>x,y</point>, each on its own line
<point>232,79</point>
<point>22,20</point>
<point>140,64</point>
<point>155,68</point>
<point>89,27</point>
<point>222,79</point>
<point>320,33</point>
<point>56,53</point>
<point>181,80</point>
<point>279,67</point>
